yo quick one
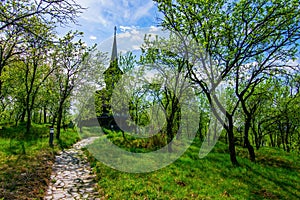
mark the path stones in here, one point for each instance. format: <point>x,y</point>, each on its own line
<point>72,176</point>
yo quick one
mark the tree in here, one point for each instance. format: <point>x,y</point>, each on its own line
<point>259,104</point>
<point>35,66</point>
<point>282,116</point>
<point>69,56</point>
<point>242,41</point>
<point>15,13</point>
<point>10,40</point>
<point>18,18</point>
<point>36,69</point>
<point>87,104</point>
<point>172,79</point>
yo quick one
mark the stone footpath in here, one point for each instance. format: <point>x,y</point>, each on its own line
<point>72,177</point>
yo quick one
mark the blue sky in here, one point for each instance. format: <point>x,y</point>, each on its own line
<point>133,19</point>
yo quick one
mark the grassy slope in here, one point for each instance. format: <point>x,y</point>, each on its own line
<point>274,176</point>
<point>26,176</point>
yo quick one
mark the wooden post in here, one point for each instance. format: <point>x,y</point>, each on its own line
<point>51,136</point>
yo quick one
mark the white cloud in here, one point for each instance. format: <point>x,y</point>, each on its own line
<point>154,29</point>
<point>93,37</point>
<point>293,63</point>
<point>101,16</point>
<point>138,38</point>
<point>124,35</point>
<point>136,47</point>
<point>113,12</point>
<point>135,32</point>
<point>125,28</point>
<point>130,40</point>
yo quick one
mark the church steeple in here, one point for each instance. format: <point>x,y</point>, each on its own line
<point>111,77</point>
<point>114,54</point>
<point>113,73</point>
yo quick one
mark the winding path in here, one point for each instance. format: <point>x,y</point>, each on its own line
<point>72,177</point>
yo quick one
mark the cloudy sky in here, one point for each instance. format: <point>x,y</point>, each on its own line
<point>133,19</point>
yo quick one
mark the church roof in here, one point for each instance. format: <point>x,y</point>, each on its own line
<point>114,54</point>
<point>113,66</point>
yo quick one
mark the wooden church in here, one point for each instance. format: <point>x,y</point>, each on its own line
<point>103,97</point>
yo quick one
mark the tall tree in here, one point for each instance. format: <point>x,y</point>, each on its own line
<point>35,65</point>
<point>13,13</point>
<point>84,101</point>
<point>283,115</point>
<point>17,19</point>
<point>69,57</point>
<point>172,77</point>
<point>10,41</point>
<point>242,40</point>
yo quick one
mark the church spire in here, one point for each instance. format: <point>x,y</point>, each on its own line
<point>114,54</point>
<point>113,73</point>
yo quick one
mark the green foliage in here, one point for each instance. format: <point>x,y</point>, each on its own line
<point>102,102</point>
<point>24,176</point>
<point>277,116</point>
<point>91,132</point>
<point>30,53</point>
<point>68,138</point>
<point>210,178</point>
<point>127,62</point>
<point>16,13</point>
<point>131,143</point>
<point>13,138</point>
<point>225,41</point>
<point>112,75</point>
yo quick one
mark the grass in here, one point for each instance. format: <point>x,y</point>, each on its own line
<point>26,176</point>
<point>275,175</point>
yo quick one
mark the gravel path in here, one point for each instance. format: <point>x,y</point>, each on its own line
<point>72,177</point>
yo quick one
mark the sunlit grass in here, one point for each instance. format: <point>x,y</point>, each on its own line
<point>25,176</point>
<point>275,175</point>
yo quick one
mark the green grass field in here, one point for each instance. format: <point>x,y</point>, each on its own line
<point>26,176</point>
<point>275,175</point>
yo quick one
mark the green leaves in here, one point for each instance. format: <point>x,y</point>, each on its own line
<point>31,55</point>
<point>245,42</point>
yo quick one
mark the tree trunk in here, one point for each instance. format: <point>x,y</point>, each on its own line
<point>45,115</point>
<point>59,117</point>
<point>271,140</point>
<point>286,138</point>
<point>23,116</point>
<point>136,120</point>
<point>169,135</point>
<point>231,145</point>
<point>53,119</point>
<point>257,135</point>
<point>124,137</point>
<point>40,120</point>
<point>282,141</point>
<point>247,142</point>
<point>35,117</point>
<point>287,143</point>
<point>200,127</point>
<point>28,123</point>
<point>256,139</point>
